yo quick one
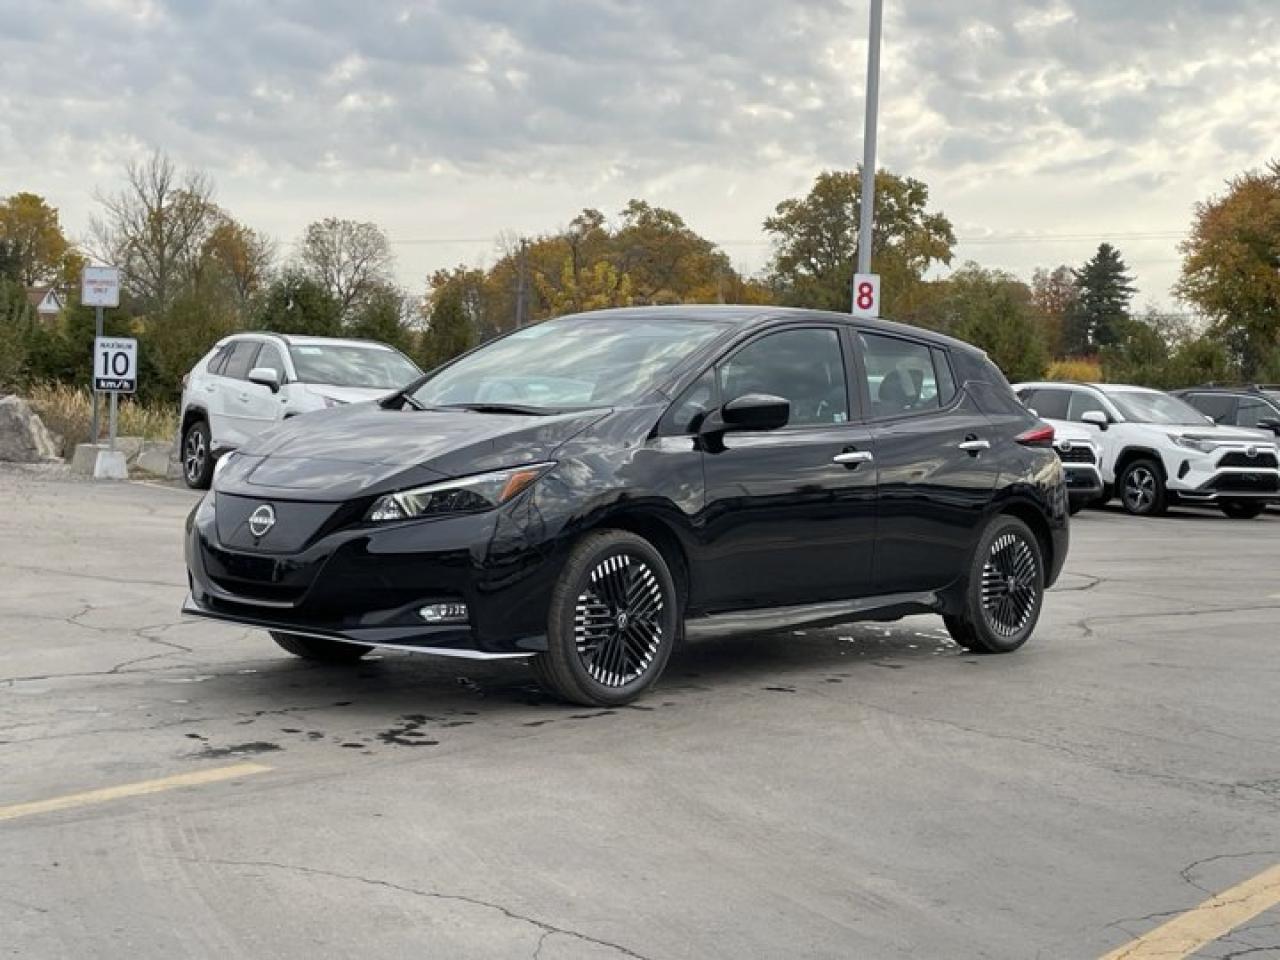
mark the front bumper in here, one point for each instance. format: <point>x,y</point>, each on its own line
<point>1084,482</point>
<point>1226,475</point>
<point>365,584</point>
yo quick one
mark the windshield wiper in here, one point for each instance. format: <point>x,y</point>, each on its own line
<point>501,408</point>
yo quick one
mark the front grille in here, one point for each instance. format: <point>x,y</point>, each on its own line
<point>1238,458</point>
<point>1076,455</point>
<point>269,592</point>
<point>1244,483</point>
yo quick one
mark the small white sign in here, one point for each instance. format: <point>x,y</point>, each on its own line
<point>866,295</point>
<point>115,365</point>
<point>100,287</point>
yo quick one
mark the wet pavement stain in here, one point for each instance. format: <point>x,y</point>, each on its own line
<point>589,716</point>
<point>240,749</point>
<point>781,689</point>
<point>409,732</point>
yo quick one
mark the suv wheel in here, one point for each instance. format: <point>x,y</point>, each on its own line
<point>1142,489</point>
<point>1005,590</point>
<point>197,458</point>
<point>1242,509</point>
<point>318,648</point>
<point>613,621</point>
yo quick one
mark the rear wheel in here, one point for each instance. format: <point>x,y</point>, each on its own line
<point>1242,509</point>
<point>1005,590</point>
<point>318,648</point>
<point>197,458</point>
<point>613,621</point>
<point>1142,489</point>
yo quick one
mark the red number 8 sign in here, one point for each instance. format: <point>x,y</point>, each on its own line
<point>866,295</point>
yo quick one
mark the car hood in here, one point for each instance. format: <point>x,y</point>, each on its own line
<point>346,452</point>
<point>1219,433</point>
<point>347,394</point>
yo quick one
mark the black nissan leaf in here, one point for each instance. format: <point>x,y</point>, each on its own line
<point>590,492</point>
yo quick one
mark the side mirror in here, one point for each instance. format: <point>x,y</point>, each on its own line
<point>1097,418</point>
<point>266,377</point>
<point>752,411</point>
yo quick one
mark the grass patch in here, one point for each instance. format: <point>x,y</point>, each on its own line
<point>68,412</point>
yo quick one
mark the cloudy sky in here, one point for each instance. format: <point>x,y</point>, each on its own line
<point>1041,126</point>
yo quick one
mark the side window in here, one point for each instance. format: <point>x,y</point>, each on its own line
<point>240,362</point>
<point>1220,406</point>
<point>220,358</point>
<point>269,356</point>
<point>1251,412</point>
<point>1050,404</point>
<point>805,367</point>
<point>946,379</point>
<point>900,376</point>
<point>1082,402</point>
<point>698,398</point>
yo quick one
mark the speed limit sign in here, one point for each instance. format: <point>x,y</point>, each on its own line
<point>866,295</point>
<point>115,364</point>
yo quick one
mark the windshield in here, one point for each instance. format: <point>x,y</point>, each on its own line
<point>1159,408</point>
<point>571,362</point>
<point>352,365</point>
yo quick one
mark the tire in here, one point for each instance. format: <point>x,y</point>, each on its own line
<point>1005,590</point>
<point>320,649</point>
<point>197,457</point>
<point>1242,509</point>
<point>1141,489</point>
<point>1075,506</point>
<point>613,621</point>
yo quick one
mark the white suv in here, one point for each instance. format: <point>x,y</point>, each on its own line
<point>251,381</point>
<point>1157,449</point>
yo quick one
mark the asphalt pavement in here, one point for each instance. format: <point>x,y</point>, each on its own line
<point>174,788</point>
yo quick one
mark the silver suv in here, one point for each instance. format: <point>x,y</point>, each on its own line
<point>251,381</point>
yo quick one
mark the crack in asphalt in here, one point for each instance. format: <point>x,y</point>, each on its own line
<point>548,929</point>
<point>96,577</point>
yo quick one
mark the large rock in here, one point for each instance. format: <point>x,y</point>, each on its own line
<point>23,436</point>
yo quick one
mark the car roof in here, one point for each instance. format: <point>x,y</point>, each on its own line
<point>748,315</point>
<point>294,339</point>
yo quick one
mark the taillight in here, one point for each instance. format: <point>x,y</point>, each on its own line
<point>1041,435</point>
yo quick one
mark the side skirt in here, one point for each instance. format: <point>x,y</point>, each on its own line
<point>771,619</point>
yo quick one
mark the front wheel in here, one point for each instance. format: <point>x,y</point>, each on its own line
<point>197,457</point>
<point>1005,591</point>
<point>1142,489</point>
<point>1242,509</point>
<point>318,648</point>
<point>613,621</point>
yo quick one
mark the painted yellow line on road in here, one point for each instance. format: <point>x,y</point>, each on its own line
<point>1202,925</point>
<point>143,787</point>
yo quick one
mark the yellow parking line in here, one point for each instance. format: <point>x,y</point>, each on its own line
<point>139,789</point>
<point>1200,926</point>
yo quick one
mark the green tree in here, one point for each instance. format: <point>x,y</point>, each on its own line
<point>449,332</point>
<point>1137,354</point>
<point>1100,315</point>
<point>1231,267</point>
<point>815,240</point>
<point>993,310</point>
<point>380,316</point>
<point>30,229</point>
<point>17,320</point>
<point>296,303</point>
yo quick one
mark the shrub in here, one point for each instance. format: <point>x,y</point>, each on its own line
<point>1084,370</point>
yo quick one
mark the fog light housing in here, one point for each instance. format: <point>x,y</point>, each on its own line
<point>442,613</point>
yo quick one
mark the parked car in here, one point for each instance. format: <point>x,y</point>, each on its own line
<point>1257,406</point>
<point>584,492</point>
<point>251,381</point>
<point>1079,455</point>
<point>1157,450</point>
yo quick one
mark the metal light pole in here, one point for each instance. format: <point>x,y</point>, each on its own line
<point>866,221</point>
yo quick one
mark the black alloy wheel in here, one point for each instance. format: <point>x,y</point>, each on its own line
<point>1005,591</point>
<point>613,621</point>
<point>1142,489</point>
<point>197,458</point>
<point>1242,509</point>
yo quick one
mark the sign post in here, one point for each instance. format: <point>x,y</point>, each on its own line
<point>99,288</point>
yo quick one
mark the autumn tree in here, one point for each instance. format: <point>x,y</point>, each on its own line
<point>994,310</point>
<point>350,259</point>
<point>239,258</point>
<point>1231,268</point>
<point>666,261</point>
<point>1053,296</point>
<point>1100,315</point>
<point>30,229</point>
<point>155,229</point>
<point>815,240</point>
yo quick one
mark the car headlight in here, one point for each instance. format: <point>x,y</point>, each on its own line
<point>220,465</point>
<point>1200,446</point>
<point>474,494</point>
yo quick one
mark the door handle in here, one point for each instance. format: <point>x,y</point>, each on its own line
<point>851,458</point>
<point>974,445</point>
